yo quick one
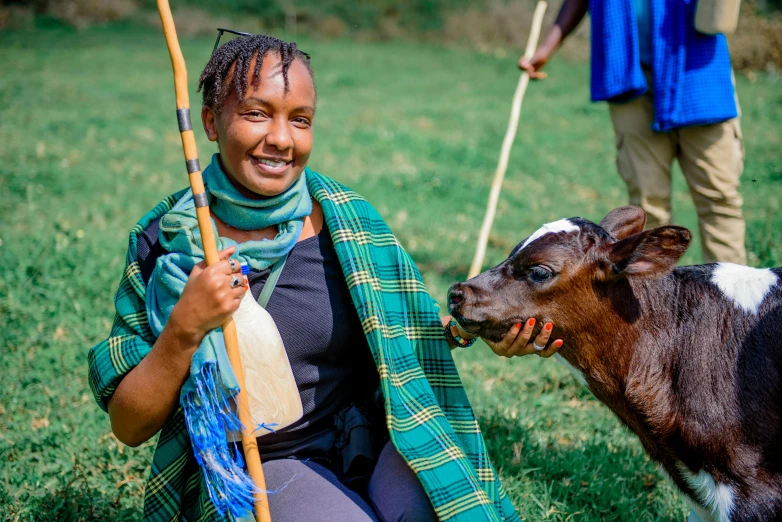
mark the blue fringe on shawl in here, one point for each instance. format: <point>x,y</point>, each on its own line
<point>206,396</point>
<point>209,417</point>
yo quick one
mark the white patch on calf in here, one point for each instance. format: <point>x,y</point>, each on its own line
<point>579,376</point>
<point>746,286</point>
<point>697,512</point>
<point>716,498</point>
<point>563,225</point>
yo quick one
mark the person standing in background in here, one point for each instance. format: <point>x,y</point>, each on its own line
<point>671,94</point>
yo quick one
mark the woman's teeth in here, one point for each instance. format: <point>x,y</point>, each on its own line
<point>272,163</point>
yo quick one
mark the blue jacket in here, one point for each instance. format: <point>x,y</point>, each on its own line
<point>692,75</point>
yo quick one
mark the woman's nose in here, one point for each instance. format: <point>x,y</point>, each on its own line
<point>279,135</point>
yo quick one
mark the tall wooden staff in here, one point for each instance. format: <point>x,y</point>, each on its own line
<point>507,143</point>
<point>249,444</point>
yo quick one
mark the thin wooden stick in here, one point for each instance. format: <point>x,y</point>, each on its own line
<point>249,443</point>
<point>507,143</point>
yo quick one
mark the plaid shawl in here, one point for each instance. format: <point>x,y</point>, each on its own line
<point>429,418</point>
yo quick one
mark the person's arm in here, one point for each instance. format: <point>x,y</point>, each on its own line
<point>516,342</point>
<point>149,394</point>
<point>570,15</point>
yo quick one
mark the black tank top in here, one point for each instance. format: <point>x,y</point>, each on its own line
<point>311,305</point>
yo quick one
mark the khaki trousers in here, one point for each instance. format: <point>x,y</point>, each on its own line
<point>711,158</point>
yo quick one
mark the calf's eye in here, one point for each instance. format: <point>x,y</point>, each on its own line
<point>540,273</point>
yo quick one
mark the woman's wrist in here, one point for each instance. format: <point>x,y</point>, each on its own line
<point>456,336</point>
<point>183,334</point>
<point>463,333</point>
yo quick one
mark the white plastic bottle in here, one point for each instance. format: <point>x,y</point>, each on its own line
<point>268,379</point>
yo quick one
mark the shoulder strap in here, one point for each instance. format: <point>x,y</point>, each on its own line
<point>271,282</point>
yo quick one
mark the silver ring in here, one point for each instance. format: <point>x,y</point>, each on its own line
<point>232,264</point>
<point>538,348</point>
<point>235,282</point>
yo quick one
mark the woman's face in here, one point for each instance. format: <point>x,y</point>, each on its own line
<point>266,139</point>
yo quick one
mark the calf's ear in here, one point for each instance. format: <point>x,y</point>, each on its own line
<point>649,254</point>
<point>624,221</point>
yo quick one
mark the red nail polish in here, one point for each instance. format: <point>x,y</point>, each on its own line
<point>558,343</point>
<point>517,326</point>
<point>549,326</point>
<point>531,322</point>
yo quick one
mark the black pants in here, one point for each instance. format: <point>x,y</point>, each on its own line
<point>303,490</point>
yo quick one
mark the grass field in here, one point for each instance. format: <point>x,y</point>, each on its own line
<point>88,143</point>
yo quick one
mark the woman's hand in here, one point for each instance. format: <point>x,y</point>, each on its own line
<point>149,394</point>
<point>517,341</point>
<point>209,297</point>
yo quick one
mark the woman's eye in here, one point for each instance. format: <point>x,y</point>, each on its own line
<point>255,114</point>
<point>540,273</point>
<point>302,122</point>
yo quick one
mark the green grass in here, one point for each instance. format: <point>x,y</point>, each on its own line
<point>88,143</point>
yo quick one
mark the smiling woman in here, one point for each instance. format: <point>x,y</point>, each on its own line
<point>387,432</point>
<point>270,122</point>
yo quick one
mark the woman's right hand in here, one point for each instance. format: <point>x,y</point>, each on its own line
<point>149,394</point>
<point>208,298</point>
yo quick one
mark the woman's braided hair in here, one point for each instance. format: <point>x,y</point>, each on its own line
<point>230,63</point>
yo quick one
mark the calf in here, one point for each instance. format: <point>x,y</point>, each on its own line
<point>689,358</point>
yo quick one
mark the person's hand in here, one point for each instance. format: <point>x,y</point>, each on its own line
<point>209,297</point>
<point>534,65</point>
<point>517,341</point>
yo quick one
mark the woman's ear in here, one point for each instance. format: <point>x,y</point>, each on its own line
<point>209,119</point>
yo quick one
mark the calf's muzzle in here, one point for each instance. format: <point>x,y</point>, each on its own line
<point>471,306</point>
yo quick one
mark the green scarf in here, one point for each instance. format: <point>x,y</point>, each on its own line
<point>179,227</point>
<point>208,391</point>
<point>429,417</point>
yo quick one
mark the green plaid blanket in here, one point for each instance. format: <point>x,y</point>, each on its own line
<point>429,418</point>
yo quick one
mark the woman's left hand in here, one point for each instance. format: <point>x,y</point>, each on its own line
<point>517,341</point>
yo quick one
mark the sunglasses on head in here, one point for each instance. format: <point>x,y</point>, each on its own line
<point>221,30</point>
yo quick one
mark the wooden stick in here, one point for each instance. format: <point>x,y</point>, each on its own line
<point>249,443</point>
<point>507,143</point>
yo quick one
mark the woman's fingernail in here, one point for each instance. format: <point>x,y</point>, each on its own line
<point>549,326</point>
<point>558,343</point>
<point>531,322</point>
<point>517,326</point>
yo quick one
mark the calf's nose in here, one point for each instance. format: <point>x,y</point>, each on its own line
<point>456,296</point>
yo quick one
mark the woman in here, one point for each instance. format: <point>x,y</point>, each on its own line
<point>366,345</point>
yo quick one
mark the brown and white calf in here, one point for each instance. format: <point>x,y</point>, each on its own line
<point>689,358</point>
